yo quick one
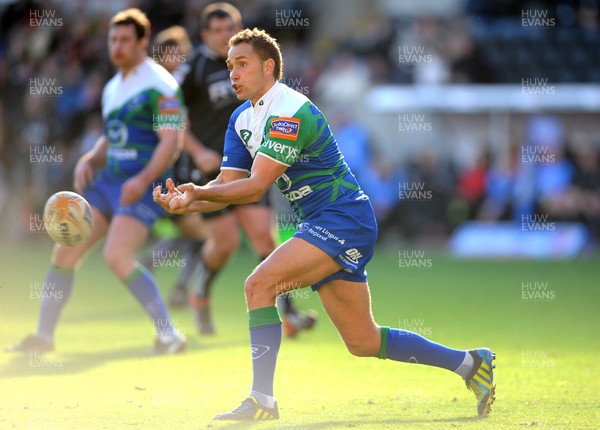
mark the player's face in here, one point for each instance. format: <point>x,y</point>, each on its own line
<point>250,77</point>
<point>124,47</point>
<point>218,33</point>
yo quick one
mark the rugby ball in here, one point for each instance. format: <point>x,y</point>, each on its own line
<point>68,218</point>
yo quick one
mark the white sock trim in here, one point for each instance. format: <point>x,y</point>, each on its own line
<point>263,399</point>
<point>466,366</point>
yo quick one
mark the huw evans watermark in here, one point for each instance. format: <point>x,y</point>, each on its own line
<point>45,18</point>
<point>414,259</point>
<point>538,154</point>
<point>413,191</point>
<point>537,292</point>
<point>414,123</point>
<point>536,222</point>
<point>539,19</point>
<point>413,54</point>
<point>291,19</point>
<point>45,87</point>
<point>537,86</point>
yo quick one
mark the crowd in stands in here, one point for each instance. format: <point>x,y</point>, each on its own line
<point>51,78</point>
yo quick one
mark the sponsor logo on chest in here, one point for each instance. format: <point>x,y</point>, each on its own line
<point>285,128</point>
<point>280,148</point>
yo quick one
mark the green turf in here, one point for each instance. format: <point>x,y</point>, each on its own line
<point>100,378</point>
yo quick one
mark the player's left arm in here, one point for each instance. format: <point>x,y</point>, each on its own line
<point>246,190</point>
<point>284,141</point>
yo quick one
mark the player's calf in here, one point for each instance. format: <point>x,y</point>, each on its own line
<point>366,345</point>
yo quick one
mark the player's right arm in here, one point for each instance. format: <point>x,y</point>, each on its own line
<point>91,160</point>
<point>236,165</point>
<point>187,191</point>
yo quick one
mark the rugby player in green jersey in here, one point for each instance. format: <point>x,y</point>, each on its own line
<point>279,136</point>
<point>141,108</point>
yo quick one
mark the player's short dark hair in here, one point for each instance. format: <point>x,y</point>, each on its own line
<point>135,17</point>
<point>220,10</point>
<point>264,45</point>
<point>174,36</point>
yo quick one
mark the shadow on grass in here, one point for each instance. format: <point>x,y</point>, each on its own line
<point>343,423</point>
<point>53,364</point>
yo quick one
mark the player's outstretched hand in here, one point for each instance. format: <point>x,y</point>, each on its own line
<point>174,200</point>
<point>186,197</point>
<point>163,199</point>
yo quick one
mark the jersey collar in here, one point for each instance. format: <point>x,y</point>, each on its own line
<point>133,72</point>
<point>267,98</point>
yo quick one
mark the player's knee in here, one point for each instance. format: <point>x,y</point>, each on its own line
<point>111,258</point>
<point>64,258</point>
<point>116,262</point>
<point>252,285</point>
<point>257,286</point>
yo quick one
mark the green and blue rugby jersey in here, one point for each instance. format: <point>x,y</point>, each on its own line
<point>135,108</point>
<point>286,127</point>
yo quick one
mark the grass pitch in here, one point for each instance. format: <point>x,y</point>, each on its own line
<point>541,318</point>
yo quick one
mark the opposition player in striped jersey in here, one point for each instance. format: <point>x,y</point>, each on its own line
<point>278,135</point>
<point>142,111</point>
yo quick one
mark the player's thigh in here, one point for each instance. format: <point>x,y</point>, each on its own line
<point>68,256</point>
<point>223,232</point>
<point>348,304</point>
<point>125,236</point>
<point>294,264</point>
<point>192,226</point>
<point>257,222</point>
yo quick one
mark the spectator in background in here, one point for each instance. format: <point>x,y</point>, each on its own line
<point>544,174</point>
<point>472,183</point>
<point>378,179</point>
<point>580,201</point>
<point>467,62</point>
<point>344,81</point>
<point>353,140</point>
<point>586,187</point>
<point>421,47</point>
<point>427,192</point>
<point>70,56</point>
<point>381,182</point>
<point>500,188</point>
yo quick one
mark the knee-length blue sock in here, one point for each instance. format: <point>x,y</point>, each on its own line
<point>143,287</point>
<point>409,347</point>
<point>55,293</point>
<point>265,339</point>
